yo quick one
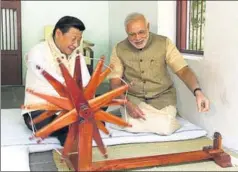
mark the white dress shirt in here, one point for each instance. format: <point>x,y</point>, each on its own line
<point>44,54</point>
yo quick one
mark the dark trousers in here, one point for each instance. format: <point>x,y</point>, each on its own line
<point>61,134</point>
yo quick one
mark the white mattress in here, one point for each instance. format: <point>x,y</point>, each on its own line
<point>15,158</point>
<point>187,131</point>
<point>15,133</point>
<point>15,143</point>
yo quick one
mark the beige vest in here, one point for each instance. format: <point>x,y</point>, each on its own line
<point>146,68</point>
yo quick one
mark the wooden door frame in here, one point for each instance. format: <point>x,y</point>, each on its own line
<point>15,4</point>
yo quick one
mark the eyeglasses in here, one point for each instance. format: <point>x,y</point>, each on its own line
<point>141,33</point>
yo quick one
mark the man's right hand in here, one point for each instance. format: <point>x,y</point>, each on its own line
<point>134,111</point>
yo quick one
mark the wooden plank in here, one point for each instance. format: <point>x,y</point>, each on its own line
<point>84,158</point>
<point>149,161</point>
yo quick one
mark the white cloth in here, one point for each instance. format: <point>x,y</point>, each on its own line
<point>18,134</point>
<point>15,143</point>
<point>15,159</point>
<point>44,54</point>
<point>14,133</point>
<point>120,136</point>
<point>162,122</point>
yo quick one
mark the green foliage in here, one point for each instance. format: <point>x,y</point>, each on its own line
<point>197,23</point>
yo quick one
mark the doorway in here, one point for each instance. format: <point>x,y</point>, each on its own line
<point>11,48</point>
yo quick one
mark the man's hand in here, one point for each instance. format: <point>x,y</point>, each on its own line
<point>202,102</point>
<point>134,111</point>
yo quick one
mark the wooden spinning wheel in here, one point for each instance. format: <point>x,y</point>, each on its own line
<point>83,114</point>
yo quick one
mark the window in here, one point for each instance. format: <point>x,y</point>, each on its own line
<point>190,26</point>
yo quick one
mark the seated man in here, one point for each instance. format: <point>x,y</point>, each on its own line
<point>141,60</point>
<point>63,43</point>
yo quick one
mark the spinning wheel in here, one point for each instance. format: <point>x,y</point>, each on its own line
<point>83,114</point>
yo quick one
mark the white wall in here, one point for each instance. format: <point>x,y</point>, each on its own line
<point>118,10</point>
<point>104,21</point>
<point>216,71</point>
<point>37,14</point>
<point>167,19</point>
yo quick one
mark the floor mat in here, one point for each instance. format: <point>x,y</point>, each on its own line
<point>148,149</point>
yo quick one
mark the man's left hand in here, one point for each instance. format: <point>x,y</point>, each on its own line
<point>202,102</point>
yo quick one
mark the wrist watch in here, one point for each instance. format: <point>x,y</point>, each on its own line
<point>196,89</point>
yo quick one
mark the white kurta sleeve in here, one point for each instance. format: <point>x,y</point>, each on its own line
<point>36,58</point>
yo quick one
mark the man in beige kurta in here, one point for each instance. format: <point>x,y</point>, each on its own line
<point>141,60</point>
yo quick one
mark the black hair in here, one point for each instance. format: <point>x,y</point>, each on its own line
<point>66,22</point>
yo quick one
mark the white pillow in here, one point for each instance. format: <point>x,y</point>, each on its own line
<point>14,158</point>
